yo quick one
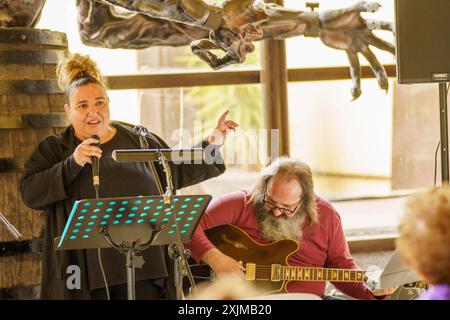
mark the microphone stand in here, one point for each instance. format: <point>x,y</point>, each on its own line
<point>142,133</point>
<point>444,133</point>
<point>177,252</point>
<point>173,250</point>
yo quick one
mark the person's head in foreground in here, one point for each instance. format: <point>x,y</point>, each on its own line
<point>226,287</point>
<point>424,240</point>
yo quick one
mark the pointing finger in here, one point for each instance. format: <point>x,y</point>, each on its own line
<point>223,116</point>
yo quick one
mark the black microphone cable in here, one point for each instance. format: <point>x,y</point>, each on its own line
<point>96,183</point>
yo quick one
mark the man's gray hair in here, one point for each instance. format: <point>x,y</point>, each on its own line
<point>294,169</point>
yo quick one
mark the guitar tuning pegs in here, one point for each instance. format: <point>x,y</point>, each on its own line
<point>370,283</point>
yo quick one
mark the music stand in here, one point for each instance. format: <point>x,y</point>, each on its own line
<point>176,155</point>
<point>131,224</point>
<point>177,252</point>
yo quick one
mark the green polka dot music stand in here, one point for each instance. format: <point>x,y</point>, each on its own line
<point>132,224</point>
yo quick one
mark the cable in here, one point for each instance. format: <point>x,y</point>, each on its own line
<point>435,162</point>
<point>99,255</point>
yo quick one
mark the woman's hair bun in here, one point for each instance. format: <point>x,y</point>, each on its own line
<point>75,66</point>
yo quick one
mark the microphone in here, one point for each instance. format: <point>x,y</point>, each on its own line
<point>95,167</point>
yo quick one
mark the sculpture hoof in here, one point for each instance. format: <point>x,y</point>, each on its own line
<point>369,6</point>
<point>356,92</point>
<point>383,83</point>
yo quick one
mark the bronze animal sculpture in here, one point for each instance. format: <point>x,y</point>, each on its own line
<point>230,26</point>
<point>20,13</point>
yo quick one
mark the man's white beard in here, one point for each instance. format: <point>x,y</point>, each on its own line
<point>274,229</point>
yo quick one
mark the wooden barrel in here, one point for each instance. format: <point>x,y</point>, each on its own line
<point>31,108</point>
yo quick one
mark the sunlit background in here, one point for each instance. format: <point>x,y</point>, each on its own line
<point>349,145</point>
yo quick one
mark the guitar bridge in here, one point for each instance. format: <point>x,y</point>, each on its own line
<point>275,272</point>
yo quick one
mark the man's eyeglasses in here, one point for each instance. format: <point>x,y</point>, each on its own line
<point>272,206</point>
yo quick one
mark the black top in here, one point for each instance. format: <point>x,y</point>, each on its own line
<point>52,181</point>
<point>118,179</point>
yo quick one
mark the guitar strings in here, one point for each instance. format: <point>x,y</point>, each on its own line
<point>263,272</point>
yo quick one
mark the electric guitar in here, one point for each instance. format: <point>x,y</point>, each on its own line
<point>267,263</point>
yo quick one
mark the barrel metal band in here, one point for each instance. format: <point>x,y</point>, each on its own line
<point>31,56</point>
<point>28,87</point>
<point>33,36</point>
<point>31,292</point>
<point>13,248</point>
<point>12,164</point>
<point>50,120</point>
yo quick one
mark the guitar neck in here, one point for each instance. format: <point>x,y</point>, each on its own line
<point>290,273</point>
<point>321,274</point>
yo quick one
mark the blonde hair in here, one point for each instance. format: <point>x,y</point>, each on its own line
<point>425,234</point>
<point>226,287</point>
<point>77,70</point>
<point>292,168</point>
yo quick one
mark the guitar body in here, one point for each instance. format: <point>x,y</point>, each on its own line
<point>267,264</point>
<point>236,243</point>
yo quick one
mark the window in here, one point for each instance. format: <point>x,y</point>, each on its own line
<point>356,149</point>
<point>350,146</point>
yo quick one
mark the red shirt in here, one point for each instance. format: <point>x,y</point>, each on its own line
<point>322,245</point>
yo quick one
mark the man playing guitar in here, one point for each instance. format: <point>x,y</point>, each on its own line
<point>281,213</point>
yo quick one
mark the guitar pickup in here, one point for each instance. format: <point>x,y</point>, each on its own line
<point>275,272</point>
<point>250,271</point>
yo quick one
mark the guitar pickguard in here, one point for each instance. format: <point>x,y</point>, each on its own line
<point>236,244</point>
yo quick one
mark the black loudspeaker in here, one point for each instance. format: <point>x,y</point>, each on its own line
<point>423,40</point>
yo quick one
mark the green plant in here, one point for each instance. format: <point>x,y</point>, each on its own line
<point>243,101</point>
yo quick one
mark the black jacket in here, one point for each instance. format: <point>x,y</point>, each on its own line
<point>42,188</point>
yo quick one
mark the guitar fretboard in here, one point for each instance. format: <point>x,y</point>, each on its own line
<point>277,272</point>
<point>321,274</point>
